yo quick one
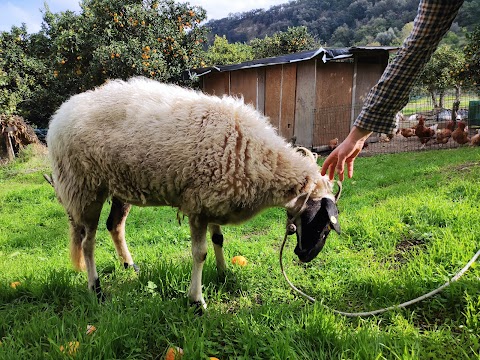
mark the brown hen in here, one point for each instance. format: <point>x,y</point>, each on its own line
<point>424,133</point>
<point>459,135</point>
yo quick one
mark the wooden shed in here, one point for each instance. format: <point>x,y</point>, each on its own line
<point>310,97</point>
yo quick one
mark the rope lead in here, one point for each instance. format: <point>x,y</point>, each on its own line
<point>379,311</point>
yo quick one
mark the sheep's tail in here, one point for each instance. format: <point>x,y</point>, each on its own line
<point>76,237</point>
<point>76,252</point>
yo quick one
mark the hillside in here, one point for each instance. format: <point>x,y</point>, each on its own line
<point>335,23</point>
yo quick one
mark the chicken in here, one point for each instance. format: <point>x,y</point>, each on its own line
<point>424,133</point>
<point>460,135</point>
<point>384,138</point>
<point>332,144</point>
<point>475,140</point>
<point>407,132</point>
<point>451,125</point>
<point>443,135</point>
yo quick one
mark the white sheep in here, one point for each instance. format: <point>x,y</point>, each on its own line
<point>217,160</point>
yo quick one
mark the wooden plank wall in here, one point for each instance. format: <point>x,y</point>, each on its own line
<point>289,91</point>
<point>333,101</point>
<point>273,95</point>
<point>310,100</point>
<point>244,83</point>
<point>367,76</point>
<point>280,90</point>
<point>216,83</point>
<point>305,103</point>
<point>261,78</point>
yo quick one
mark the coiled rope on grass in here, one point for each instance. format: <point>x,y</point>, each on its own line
<point>379,311</point>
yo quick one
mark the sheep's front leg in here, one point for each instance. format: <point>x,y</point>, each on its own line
<point>217,240</point>
<point>198,232</point>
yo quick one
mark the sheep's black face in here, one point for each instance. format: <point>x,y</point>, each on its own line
<point>313,227</point>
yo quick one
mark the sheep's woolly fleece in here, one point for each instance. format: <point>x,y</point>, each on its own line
<point>150,143</point>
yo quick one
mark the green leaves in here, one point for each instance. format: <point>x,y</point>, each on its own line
<point>295,39</point>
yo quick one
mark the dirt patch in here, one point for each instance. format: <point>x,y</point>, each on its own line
<point>466,167</point>
<point>405,247</point>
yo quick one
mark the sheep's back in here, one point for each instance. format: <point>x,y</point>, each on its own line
<point>151,143</point>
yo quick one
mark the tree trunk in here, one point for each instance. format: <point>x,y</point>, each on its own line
<point>8,144</point>
<point>455,107</point>
<point>458,92</point>
<point>441,97</point>
<point>434,99</point>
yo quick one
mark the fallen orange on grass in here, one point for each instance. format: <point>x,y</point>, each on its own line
<point>174,353</point>
<point>14,284</point>
<point>72,347</point>
<point>214,358</point>
<point>239,260</point>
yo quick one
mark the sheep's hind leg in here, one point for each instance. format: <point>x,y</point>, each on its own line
<point>198,232</point>
<point>116,226</point>
<point>217,240</point>
<point>89,220</point>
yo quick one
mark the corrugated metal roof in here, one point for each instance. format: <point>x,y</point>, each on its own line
<point>326,55</point>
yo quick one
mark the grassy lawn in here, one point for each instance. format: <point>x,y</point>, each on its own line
<point>424,103</point>
<point>409,222</point>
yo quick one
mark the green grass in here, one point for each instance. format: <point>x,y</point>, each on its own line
<point>424,103</point>
<point>409,222</point>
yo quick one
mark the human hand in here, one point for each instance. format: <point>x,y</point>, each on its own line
<point>345,153</point>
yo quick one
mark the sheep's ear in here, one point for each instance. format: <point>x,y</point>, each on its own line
<point>332,213</point>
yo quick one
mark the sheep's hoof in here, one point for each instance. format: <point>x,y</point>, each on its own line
<point>98,291</point>
<point>134,266</point>
<point>199,307</point>
<point>222,275</point>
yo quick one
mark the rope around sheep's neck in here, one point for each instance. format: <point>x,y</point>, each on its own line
<point>379,311</point>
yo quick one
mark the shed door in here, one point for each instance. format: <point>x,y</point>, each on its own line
<point>333,102</point>
<point>280,87</point>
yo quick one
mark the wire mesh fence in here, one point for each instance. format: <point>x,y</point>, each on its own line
<point>331,125</point>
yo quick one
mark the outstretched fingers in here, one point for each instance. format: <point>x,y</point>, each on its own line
<point>334,163</point>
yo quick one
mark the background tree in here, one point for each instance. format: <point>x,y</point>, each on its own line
<point>158,39</point>
<point>223,53</point>
<point>119,39</point>
<point>364,18</point>
<point>471,72</point>
<point>441,74</point>
<point>295,39</point>
<point>21,71</point>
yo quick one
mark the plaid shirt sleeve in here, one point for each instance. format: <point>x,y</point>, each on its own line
<point>391,93</point>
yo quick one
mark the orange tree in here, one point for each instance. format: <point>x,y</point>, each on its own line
<point>471,73</point>
<point>21,70</point>
<point>122,38</point>
<point>109,39</point>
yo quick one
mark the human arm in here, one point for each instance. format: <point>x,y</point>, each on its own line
<point>391,92</point>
